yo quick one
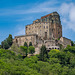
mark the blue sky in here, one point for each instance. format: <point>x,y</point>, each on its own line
<point>15,14</point>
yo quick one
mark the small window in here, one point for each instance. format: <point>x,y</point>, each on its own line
<point>58,48</point>
<point>52,21</point>
<point>47,27</point>
<point>52,48</point>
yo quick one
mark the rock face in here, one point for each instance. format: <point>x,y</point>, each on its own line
<point>44,31</point>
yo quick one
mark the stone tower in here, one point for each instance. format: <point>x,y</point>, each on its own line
<point>44,31</point>
<point>47,27</point>
<point>55,27</point>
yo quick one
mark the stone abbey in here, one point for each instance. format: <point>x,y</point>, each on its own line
<point>45,31</point>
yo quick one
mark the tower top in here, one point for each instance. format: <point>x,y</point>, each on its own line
<point>53,13</point>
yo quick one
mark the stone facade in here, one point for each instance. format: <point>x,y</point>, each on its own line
<point>20,40</point>
<point>46,27</point>
<point>65,41</point>
<point>45,31</point>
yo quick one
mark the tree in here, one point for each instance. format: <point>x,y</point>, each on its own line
<point>43,53</point>
<point>31,49</point>
<point>30,43</point>
<point>25,44</point>
<point>9,40</point>
<point>0,46</point>
<point>6,45</point>
<point>72,43</point>
<point>24,49</point>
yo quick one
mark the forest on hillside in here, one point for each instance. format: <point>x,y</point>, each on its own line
<point>56,62</point>
<point>15,60</point>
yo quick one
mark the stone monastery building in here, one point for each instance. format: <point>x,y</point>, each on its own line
<point>45,31</point>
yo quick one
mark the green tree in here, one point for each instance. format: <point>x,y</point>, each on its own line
<point>24,49</point>
<point>43,53</point>
<point>9,40</point>
<point>31,49</point>
<point>6,45</point>
<point>72,43</point>
<point>0,46</point>
<point>70,49</point>
<point>25,44</point>
<point>30,43</point>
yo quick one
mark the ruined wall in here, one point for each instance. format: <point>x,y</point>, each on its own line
<point>20,40</point>
<point>38,28</point>
<point>46,27</point>
<point>44,31</point>
<point>65,41</point>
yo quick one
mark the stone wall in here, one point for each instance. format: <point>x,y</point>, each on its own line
<point>65,41</point>
<point>38,28</point>
<point>44,31</point>
<point>20,40</point>
<point>46,27</point>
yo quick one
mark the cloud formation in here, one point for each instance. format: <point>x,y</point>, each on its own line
<point>19,30</point>
<point>68,13</point>
<point>66,10</point>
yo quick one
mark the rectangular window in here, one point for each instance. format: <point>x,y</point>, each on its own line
<point>47,27</point>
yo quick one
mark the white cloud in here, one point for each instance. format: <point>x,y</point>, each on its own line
<point>36,8</point>
<point>72,14</point>
<point>67,12</point>
<point>19,30</point>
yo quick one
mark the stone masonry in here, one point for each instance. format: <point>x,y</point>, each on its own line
<point>45,31</point>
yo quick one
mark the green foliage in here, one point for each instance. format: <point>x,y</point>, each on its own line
<point>58,63</point>
<point>31,50</point>
<point>25,44</point>
<point>72,43</point>
<point>7,42</point>
<point>70,49</point>
<point>0,46</point>
<point>54,53</point>
<point>24,49</point>
<point>30,44</point>
<point>6,45</point>
<point>43,53</point>
<point>53,60</point>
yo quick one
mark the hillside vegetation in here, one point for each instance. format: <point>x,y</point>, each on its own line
<point>53,63</point>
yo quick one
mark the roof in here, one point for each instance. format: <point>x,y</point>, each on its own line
<point>48,15</point>
<point>66,38</point>
<point>26,35</point>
